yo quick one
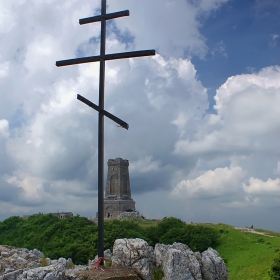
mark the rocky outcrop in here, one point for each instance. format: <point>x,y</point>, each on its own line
<point>24,264</point>
<point>51,272</point>
<point>177,261</point>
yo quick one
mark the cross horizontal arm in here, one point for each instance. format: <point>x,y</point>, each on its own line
<point>106,57</point>
<point>107,17</point>
<point>129,54</point>
<point>107,114</point>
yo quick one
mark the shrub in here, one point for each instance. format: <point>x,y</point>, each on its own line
<point>77,237</point>
<point>275,269</point>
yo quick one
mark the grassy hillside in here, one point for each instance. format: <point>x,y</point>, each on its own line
<point>247,255</point>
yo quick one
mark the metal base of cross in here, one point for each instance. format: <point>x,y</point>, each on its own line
<point>99,264</point>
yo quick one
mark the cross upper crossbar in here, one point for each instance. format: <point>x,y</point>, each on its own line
<point>111,56</point>
<point>107,17</point>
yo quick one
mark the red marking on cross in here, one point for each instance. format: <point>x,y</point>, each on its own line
<point>99,264</point>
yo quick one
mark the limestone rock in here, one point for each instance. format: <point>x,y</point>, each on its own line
<point>135,253</point>
<point>71,274</point>
<point>108,254</point>
<point>5,254</point>
<point>160,253</point>
<point>23,253</point>
<point>24,264</point>
<point>213,266</point>
<point>177,261</point>
<point>51,272</point>
<point>193,264</point>
<point>37,253</point>
<point>21,261</point>
<point>15,275</point>
<point>62,261</point>
<point>175,266</point>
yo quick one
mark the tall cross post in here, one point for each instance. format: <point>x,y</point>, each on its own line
<point>100,108</point>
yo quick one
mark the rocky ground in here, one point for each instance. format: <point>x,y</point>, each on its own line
<point>19,264</point>
<point>117,272</point>
<point>131,259</point>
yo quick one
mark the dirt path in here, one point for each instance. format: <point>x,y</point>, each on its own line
<point>112,273</point>
<point>250,230</point>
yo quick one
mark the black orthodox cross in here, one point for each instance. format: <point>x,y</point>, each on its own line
<point>100,108</point>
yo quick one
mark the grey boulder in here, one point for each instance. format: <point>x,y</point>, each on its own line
<point>212,265</point>
<point>135,253</point>
<point>177,262</point>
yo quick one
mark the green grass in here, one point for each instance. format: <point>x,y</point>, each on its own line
<point>147,223</point>
<point>247,255</point>
<point>267,232</point>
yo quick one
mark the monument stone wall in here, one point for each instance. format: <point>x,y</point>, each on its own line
<point>118,193</point>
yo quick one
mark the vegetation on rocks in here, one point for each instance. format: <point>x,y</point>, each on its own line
<point>158,273</point>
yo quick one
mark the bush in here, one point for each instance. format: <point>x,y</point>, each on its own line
<point>77,237</point>
<point>198,238</point>
<point>275,269</point>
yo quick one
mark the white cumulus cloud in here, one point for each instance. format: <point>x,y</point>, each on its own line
<point>258,186</point>
<point>213,183</point>
<point>161,18</point>
<point>248,117</point>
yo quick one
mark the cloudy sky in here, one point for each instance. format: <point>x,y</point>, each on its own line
<point>204,115</point>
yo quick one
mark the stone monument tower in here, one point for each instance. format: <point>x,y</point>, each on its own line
<point>118,194</point>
